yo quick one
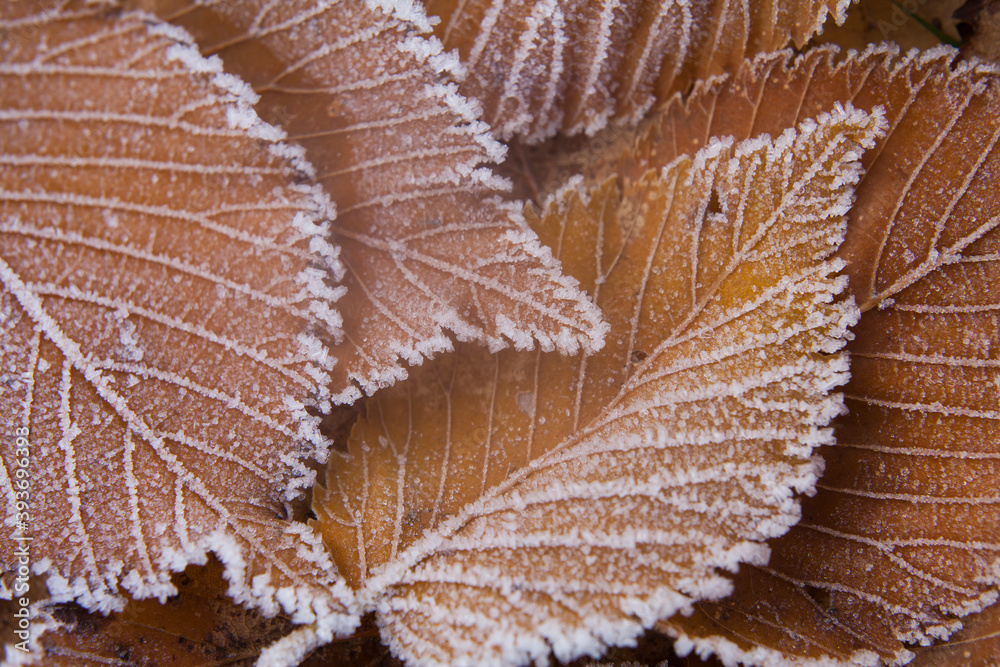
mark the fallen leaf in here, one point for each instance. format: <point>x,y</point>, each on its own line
<point>977,644</point>
<point>150,223</point>
<point>497,508</point>
<point>429,241</point>
<point>900,541</point>
<point>544,67</point>
<point>199,626</point>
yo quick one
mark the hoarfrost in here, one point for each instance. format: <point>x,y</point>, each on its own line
<point>407,287</point>
<point>179,352</point>
<point>565,490</point>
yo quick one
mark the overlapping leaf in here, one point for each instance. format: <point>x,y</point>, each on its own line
<point>198,627</point>
<point>977,644</point>
<point>542,67</point>
<point>902,538</point>
<point>428,244</point>
<point>495,508</point>
<point>166,313</point>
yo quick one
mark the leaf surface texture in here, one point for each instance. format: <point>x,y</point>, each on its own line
<point>149,222</point>
<point>901,540</point>
<point>571,66</point>
<point>977,644</point>
<point>495,508</point>
<point>428,241</point>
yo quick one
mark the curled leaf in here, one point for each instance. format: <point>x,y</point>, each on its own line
<point>428,242</point>
<point>166,317</point>
<point>544,67</point>
<point>494,509</point>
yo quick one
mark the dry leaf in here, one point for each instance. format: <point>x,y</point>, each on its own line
<point>901,540</point>
<point>197,627</point>
<point>496,508</point>
<point>548,66</point>
<point>150,224</point>
<point>977,644</point>
<point>428,243</point>
<point>530,422</point>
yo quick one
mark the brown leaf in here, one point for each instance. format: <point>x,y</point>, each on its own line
<point>166,313</point>
<point>200,626</point>
<point>496,508</point>
<point>977,644</point>
<point>901,539</point>
<point>428,242</point>
<point>544,67</point>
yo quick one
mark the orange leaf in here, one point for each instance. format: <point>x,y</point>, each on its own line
<point>977,644</point>
<point>570,66</point>
<point>900,541</point>
<point>495,508</point>
<point>150,224</point>
<point>428,241</point>
<point>198,627</point>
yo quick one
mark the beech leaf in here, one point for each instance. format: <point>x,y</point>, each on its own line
<point>149,223</point>
<point>429,242</point>
<point>571,66</point>
<point>494,509</point>
<point>900,541</point>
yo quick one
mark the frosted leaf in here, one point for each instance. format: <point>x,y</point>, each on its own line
<point>428,243</point>
<point>543,66</point>
<point>977,644</point>
<point>199,626</point>
<point>901,540</point>
<point>494,509</point>
<point>166,305</point>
